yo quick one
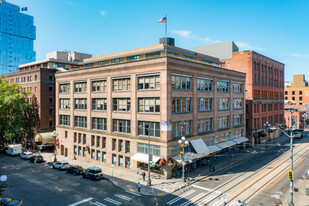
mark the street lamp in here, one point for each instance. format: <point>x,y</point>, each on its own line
<point>183,143</point>
<point>54,135</point>
<point>267,125</point>
<point>148,130</point>
<point>291,156</point>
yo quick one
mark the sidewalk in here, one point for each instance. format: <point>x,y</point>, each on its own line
<point>127,180</point>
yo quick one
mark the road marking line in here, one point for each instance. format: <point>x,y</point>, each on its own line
<point>218,203</point>
<point>232,204</point>
<point>193,199</point>
<point>112,201</point>
<point>98,203</point>
<point>66,187</point>
<point>80,202</point>
<point>180,197</point>
<point>207,189</point>
<point>123,197</point>
<point>204,201</point>
<point>133,193</point>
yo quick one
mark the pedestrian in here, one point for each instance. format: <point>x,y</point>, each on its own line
<point>144,175</point>
<point>139,187</point>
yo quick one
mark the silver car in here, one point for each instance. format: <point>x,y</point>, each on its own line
<point>62,165</point>
<point>26,155</point>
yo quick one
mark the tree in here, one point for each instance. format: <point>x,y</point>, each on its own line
<point>12,107</point>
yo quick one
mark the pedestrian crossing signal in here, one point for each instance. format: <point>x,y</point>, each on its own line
<point>290,174</point>
<point>181,154</point>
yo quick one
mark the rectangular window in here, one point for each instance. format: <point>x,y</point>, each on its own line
<point>84,138</point>
<point>120,160</point>
<point>121,104</point>
<point>51,89</point>
<point>204,84</point>
<point>75,150</point>
<point>99,86</point>
<point>152,55</point>
<point>270,107</point>
<point>103,142</point>
<point>204,125</point>
<point>154,149</point>
<point>114,144</point>
<point>127,146</point>
<point>188,58</point>
<point>181,128</point>
<point>204,104</point>
<point>92,140</point>
<point>151,129</point>
<point>80,87</point>
<point>122,126</point>
<point>149,82</point>
<point>181,104</point>
<point>223,122</point>
<point>80,121</point>
<point>92,154</point>
<point>98,155</point>
<point>66,134</point>
<point>117,61</point>
<point>172,54</point>
<point>102,63</point>
<point>98,141</point>
<point>64,103</point>
<point>222,86</point>
<point>149,105</point>
<point>238,87</point>
<point>121,84</point>
<point>300,92</point>
<point>84,152</point>
<point>133,58</point>
<point>99,123</point>
<point>181,82</point>
<point>223,103</point>
<point>120,145</point>
<point>89,65</point>
<point>114,158</point>
<point>79,151</point>
<point>99,104</point>
<point>80,103</point>
<point>238,120</point>
<point>237,103</point>
<point>75,137</point>
<point>64,120</point>
<point>103,156</point>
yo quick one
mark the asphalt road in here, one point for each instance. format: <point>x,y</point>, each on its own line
<point>39,184</point>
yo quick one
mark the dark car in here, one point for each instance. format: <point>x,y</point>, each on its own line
<point>93,173</point>
<point>36,159</point>
<point>10,202</point>
<point>75,170</point>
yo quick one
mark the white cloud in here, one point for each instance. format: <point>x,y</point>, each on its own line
<point>300,55</point>
<point>103,13</point>
<point>247,46</point>
<point>190,35</point>
<point>184,34</point>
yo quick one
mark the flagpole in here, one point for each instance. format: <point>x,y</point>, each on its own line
<point>166,34</point>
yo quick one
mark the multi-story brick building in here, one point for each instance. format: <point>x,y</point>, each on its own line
<point>106,109</point>
<point>264,87</point>
<point>39,78</point>
<point>298,90</point>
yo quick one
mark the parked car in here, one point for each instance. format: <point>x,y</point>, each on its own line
<point>93,173</point>
<point>62,165</point>
<point>36,159</point>
<point>26,155</point>
<point>298,133</point>
<point>10,202</point>
<point>14,149</point>
<point>75,170</point>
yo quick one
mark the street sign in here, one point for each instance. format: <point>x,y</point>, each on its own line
<point>150,157</point>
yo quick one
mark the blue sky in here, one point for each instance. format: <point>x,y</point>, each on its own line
<point>276,28</point>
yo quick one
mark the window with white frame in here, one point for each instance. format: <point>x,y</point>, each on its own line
<point>223,122</point>
<point>204,125</point>
<point>222,86</point>
<point>121,104</point>
<point>151,129</point>
<point>121,84</point>
<point>80,87</point>
<point>80,121</point>
<point>64,88</point>
<point>149,82</point>
<point>64,120</point>
<point>238,87</point>
<point>64,103</point>
<point>204,84</point>
<point>117,61</point>
<point>172,54</point>
<point>99,104</point>
<point>181,104</point>
<point>204,104</point>
<point>121,125</point>
<point>149,105</point>
<point>181,82</point>
<point>99,123</point>
<point>99,85</point>
<point>80,103</point>
<point>181,128</point>
<point>237,103</point>
<point>223,103</point>
<point>133,58</point>
<point>238,120</point>
<point>154,149</point>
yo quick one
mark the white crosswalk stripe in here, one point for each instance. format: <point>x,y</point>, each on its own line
<point>193,199</point>
<point>133,193</point>
<point>180,197</point>
<point>204,201</point>
<point>112,201</point>
<point>123,197</point>
<point>98,204</point>
<point>219,202</point>
<point>232,204</point>
<point>81,202</point>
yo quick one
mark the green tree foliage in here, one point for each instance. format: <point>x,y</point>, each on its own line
<point>12,107</point>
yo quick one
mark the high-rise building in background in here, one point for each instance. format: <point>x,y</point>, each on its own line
<point>17,34</point>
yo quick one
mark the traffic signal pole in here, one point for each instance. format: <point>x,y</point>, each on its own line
<point>291,180</point>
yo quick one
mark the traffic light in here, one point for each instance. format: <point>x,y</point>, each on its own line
<point>290,174</point>
<point>307,191</point>
<point>181,154</point>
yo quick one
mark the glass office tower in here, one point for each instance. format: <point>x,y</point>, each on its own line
<point>17,34</point>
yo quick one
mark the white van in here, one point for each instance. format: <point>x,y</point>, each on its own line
<point>14,149</point>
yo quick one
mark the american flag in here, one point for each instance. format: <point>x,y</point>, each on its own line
<point>163,20</point>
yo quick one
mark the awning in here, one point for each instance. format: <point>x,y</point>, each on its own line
<point>44,138</point>
<point>240,140</point>
<point>141,157</point>
<point>226,144</point>
<point>200,146</point>
<point>214,148</point>
<point>188,156</point>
